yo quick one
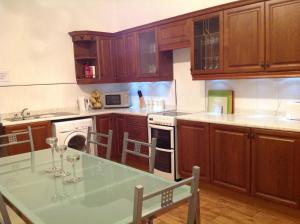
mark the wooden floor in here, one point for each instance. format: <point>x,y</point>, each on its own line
<point>225,207</point>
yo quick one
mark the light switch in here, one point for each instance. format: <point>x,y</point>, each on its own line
<point>4,78</point>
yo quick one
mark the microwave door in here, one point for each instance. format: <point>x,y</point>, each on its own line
<point>113,100</point>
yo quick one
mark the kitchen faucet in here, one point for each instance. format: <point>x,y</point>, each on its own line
<point>23,115</point>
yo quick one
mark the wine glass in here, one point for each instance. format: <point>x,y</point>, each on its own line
<point>61,172</point>
<point>73,159</point>
<point>52,141</point>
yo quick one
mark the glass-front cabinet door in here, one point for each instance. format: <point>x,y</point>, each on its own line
<point>207,44</point>
<point>147,53</point>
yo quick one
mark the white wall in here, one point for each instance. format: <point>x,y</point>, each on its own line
<point>190,94</point>
<point>36,49</point>
<point>35,45</point>
<point>132,13</point>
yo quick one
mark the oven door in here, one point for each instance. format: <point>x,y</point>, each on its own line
<point>165,156</point>
<point>163,134</point>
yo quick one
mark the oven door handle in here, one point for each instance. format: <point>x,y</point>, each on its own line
<point>165,150</point>
<point>168,128</point>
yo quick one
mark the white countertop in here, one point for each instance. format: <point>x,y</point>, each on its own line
<point>254,121</point>
<point>78,114</point>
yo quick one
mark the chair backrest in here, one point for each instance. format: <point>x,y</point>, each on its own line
<point>167,200</point>
<point>12,139</point>
<point>137,150</point>
<point>95,138</point>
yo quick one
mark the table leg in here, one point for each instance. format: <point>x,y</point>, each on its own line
<point>3,211</point>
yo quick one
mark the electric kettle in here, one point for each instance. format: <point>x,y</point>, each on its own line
<point>83,103</point>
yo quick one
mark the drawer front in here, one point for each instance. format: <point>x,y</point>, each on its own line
<point>136,121</point>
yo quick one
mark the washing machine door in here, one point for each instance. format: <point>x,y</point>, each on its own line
<point>76,140</point>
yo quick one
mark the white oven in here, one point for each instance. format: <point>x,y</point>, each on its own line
<point>165,150</point>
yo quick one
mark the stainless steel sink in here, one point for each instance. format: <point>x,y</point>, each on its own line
<point>39,116</point>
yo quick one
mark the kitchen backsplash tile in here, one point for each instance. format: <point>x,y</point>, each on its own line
<point>44,97</point>
<point>260,95</point>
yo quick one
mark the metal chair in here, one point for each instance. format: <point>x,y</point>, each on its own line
<point>167,201</point>
<point>137,150</point>
<point>9,140</point>
<point>12,139</point>
<point>95,138</point>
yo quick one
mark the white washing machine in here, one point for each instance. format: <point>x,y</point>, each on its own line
<point>73,133</point>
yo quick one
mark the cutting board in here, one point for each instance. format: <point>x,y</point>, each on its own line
<point>221,101</point>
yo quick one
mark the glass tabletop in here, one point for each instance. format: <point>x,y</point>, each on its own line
<point>105,194</point>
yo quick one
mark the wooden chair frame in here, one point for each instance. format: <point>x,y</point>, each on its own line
<point>167,202</point>
<point>90,140</point>
<point>137,150</point>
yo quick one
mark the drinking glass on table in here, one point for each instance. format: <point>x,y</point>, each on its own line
<point>61,172</point>
<point>52,141</point>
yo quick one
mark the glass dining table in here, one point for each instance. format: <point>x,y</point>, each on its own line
<point>104,195</point>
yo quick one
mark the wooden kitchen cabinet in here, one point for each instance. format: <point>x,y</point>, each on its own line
<point>137,129</point>
<point>207,44</point>
<point>85,52</point>
<point>147,54</point>
<point>120,58</point>
<point>104,123</point>
<point>230,157</point>
<point>119,130</point>
<point>125,57</point>
<point>244,39</point>
<point>174,35</point>
<point>193,148</point>
<point>282,35</point>
<point>94,49</point>
<point>276,166</point>
<point>40,131</point>
<point>152,64</point>
<point>106,60</point>
<point>131,56</point>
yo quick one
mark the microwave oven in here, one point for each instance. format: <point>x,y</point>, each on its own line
<point>115,100</point>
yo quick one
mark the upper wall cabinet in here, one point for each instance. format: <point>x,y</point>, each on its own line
<point>259,40</point>
<point>147,54</point>
<point>93,57</point>
<point>152,65</point>
<point>207,44</point>
<point>106,60</point>
<point>283,35</point>
<point>174,35</point>
<point>244,39</point>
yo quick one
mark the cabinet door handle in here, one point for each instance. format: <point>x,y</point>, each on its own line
<point>262,65</point>
<point>248,135</point>
<point>267,65</point>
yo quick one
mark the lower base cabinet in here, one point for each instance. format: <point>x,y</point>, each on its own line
<point>259,162</point>
<point>135,125</point>
<point>193,148</point>
<point>276,166</point>
<point>230,157</point>
<point>103,124</point>
<point>40,131</point>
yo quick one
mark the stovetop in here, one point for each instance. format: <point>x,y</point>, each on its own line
<point>167,118</point>
<point>173,113</point>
